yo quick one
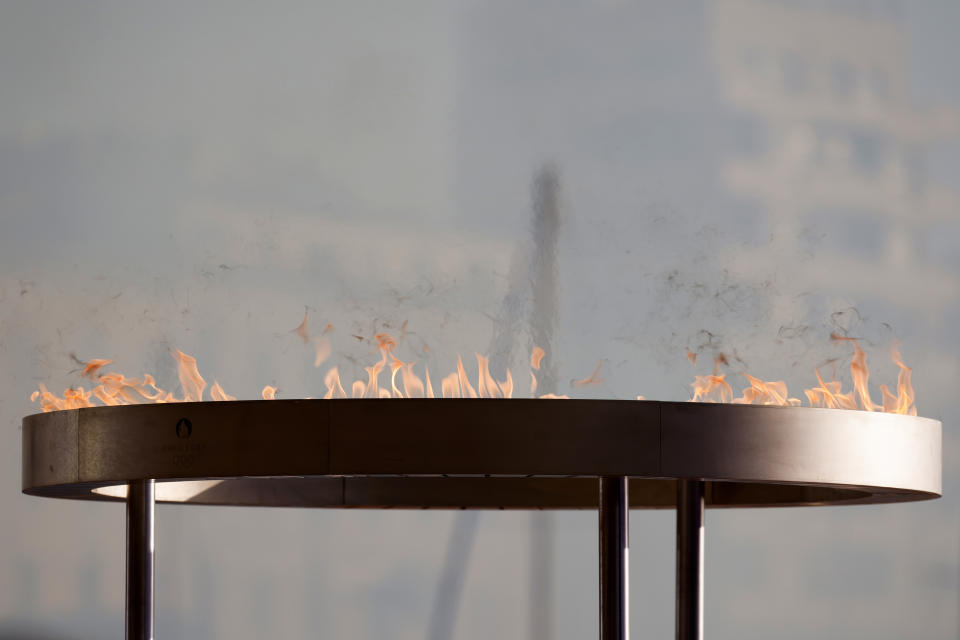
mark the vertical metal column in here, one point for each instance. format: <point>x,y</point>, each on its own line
<point>140,542</point>
<point>614,559</point>
<point>690,559</point>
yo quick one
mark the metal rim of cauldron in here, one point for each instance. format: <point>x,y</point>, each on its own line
<point>480,453</point>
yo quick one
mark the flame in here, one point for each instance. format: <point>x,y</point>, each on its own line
<point>385,342</point>
<point>334,388</point>
<point>358,389</point>
<point>91,367</point>
<point>859,373</point>
<point>114,389</point>
<point>903,401</point>
<point>406,383</point>
<point>593,378</point>
<point>412,384</point>
<point>466,389</point>
<point>536,356</point>
<point>373,383</point>
<point>322,348</point>
<point>506,387</point>
<point>712,388</point>
<point>760,392</point>
<point>395,366</point>
<point>111,389</point>
<point>191,382</point>
<point>487,387</point>
<point>450,386</point>
<point>829,395</point>
<point>217,392</point>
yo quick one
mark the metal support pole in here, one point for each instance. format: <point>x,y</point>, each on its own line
<point>614,559</point>
<point>140,542</point>
<point>690,559</point>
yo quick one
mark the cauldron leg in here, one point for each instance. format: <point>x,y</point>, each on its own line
<point>690,559</point>
<point>140,542</point>
<point>614,559</point>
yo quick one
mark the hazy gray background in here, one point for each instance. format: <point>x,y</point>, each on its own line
<point>735,175</point>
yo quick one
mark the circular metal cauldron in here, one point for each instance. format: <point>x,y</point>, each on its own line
<point>609,455</point>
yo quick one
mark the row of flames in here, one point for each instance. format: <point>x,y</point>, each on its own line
<point>116,389</point>
<point>830,395</point>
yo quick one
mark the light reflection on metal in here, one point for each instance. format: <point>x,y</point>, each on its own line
<point>690,560</point>
<point>614,559</point>
<point>140,560</point>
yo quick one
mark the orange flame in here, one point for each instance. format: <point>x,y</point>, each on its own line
<point>506,387</point>
<point>712,388</point>
<point>536,356</point>
<point>190,380</point>
<point>322,349</point>
<point>93,366</point>
<point>450,386</point>
<point>859,373</point>
<point>593,378</point>
<point>830,395</point>
<point>334,388</point>
<point>412,383</point>
<point>358,389</point>
<point>429,384</point>
<point>115,389</point>
<point>217,392</point>
<point>466,389</point>
<point>903,401</point>
<point>760,392</point>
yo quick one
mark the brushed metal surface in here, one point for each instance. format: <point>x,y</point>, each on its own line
<point>514,454</point>
<point>203,439</point>
<point>141,533</point>
<point>614,536</point>
<point>801,445</point>
<point>690,560</point>
<point>50,451</point>
<point>477,436</point>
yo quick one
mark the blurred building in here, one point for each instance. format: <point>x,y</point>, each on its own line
<point>831,145</point>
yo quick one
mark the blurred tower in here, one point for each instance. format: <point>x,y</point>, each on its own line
<point>541,273</point>
<point>544,322</point>
<point>831,142</point>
